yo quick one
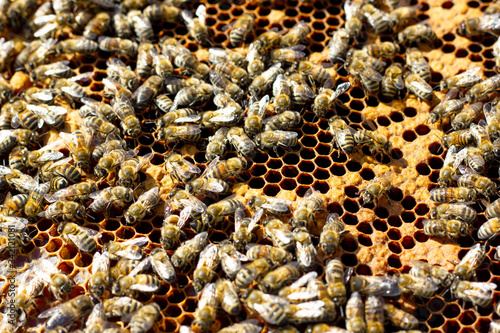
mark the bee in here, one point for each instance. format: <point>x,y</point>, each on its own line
<point>21,137</point>
<point>117,70</point>
<point>78,144</point>
<point>467,267</point>
<point>311,203</point>
<point>120,306</point>
<point>230,258</point>
<point>375,189</point>
<point>121,25</point>
<point>290,54</point>
<point>448,228</point>
<point>58,282</point>
<point>264,80</point>
<point>478,293</point>
<point>374,314</point>
<point>228,86</point>
<point>240,28</point>
<point>339,44</point>
<point>313,311</point>
<point>483,141</point>
<point>266,41</point>
<point>281,93</point>
<point>334,274</point>
<point>196,26</point>
<point>255,113</point>
<point>343,134</point>
<point>247,326</point>
<point>417,33</point>
<point>463,80</point>
<point>403,15</point>
<point>24,116</point>
<point>217,55</point>
<point>161,64</point>
<point>453,211</point>
<point>447,107</point>
<point>473,157</point>
<point>270,308</point>
<point>380,21</point>
<point>375,285</point>
<point>392,81</point>
<point>142,26</point>
<point>30,286</point>
<point>275,139</point>
<point>492,117</point>
<point>17,158</point>
<point>191,95</point>
<point>282,121</point>
<point>271,205</point>
<point>66,210</point>
<point>130,284</point>
<point>252,272</point>
<point>417,64</point>
<point>243,227</point>
<point>226,168</point>
<point>370,78</point>
<point>254,60</point>
<point>93,107</point>
<point>113,88</point>
<point>5,90</point>
<point>82,238</point>
<point>355,313</point>
<point>280,234</point>
<point>118,45</point>
<point>306,251</point>
<point>231,71</point>
<point>317,72</point>
<point>486,23</point>
<point>459,138</point>
<point>205,313</point>
<point>49,114</point>
<point>108,163</point>
<point>304,289</point>
<point>217,144</point>
<point>278,256</point>
<point>18,180</point>
<point>179,133</point>
<point>12,241</point>
<point>130,168</point>
<point>329,238</point>
<point>481,90</point>
<point>204,272</point>
<point>489,229</point>
<point>493,209</point>
<point>399,317</point>
<point>130,249</point>
<point>419,286</point>
<point>241,142</point>
<point>125,112</point>
<point>297,34</point>
<point>34,95</point>
<point>465,117</point>
<point>418,86</point>
<point>144,204</point>
<point>162,265</point>
<point>143,96</point>
<point>68,312</point>
<point>101,279</point>
<point>100,126</point>
<point>189,250</point>
<point>183,170</point>
<point>382,50</point>
<point>13,204</point>
<point>437,274</point>
<point>103,198</point>
<point>97,25</point>
<point>326,97</point>
<point>301,92</point>
<point>471,179</point>
<point>164,103</point>
<point>77,45</point>
<point>77,192</point>
<point>35,200</point>
<point>144,318</point>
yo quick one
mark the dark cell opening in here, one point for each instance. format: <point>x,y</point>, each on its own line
<point>351,206</point>
<point>383,121</point>
<point>258,170</point>
<point>408,242</point>
<point>349,244</point>
<point>461,53</point>
<point>256,183</point>
<point>323,161</point>
<point>409,136</point>
<point>273,177</point>
<point>396,117</point>
<point>350,219</point>
<point>288,184</point>
<point>305,179</point>
<point>423,169</point>
<point>365,228</point>
<point>380,225</point>
<point>364,240</point>
<point>394,221</point>
<point>363,270</point>
<point>353,166</point>
<point>394,234</point>
<point>394,261</point>
<point>381,212</point>
<point>394,247</point>
<point>338,170</point>
<point>421,237</point>
<point>448,48</point>
<point>306,166</point>
<point>271,190</point>
<point>410,112</point>
<point>367,174</point>
<point>349,259</point>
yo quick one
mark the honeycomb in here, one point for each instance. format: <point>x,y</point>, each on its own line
<point>381,239</point>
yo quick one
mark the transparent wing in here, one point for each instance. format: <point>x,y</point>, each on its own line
<point>100,262</point>
<point>239,215</point>
<point>304,280</point>
<point>164,269</point>
<point>468,76</point>
<point>489,22</point>
<point>201,12</point>
<point>208,256</point>
<point>255,219</point>
<point>450,155</point>
<point>208,296</point>
<point>422,85</point>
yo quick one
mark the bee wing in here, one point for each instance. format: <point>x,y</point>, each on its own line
<point>468,76</point>
<point>13,222</point>
<point>143,161</point>
<point>217,55</point>
<point>459,158</point>
<point>341,88</point>
<point>188,129</point>
<point>275,299</point>
<point>146,288</point>
<point>164,269</point>
<point>306,254</point>
<point>239,215</point>
<point>211,165</point>
<point>195,204</point>
<point>255,219</point>
<point>489,113</point>
<point>47,28</point>
<point>214,186</point>
<point>480,289</point>
<point>79,244</point>
<point>97,316</point>
<point>60,162</point>
<point>58,68</point>
<point>141,266</point>
<point>278,85</point>
<point>201,12</point>
<point>150,197</point>
<point>383,286</point>
<point>452,93</point>
<point>450,155</point>
<point>50,155</point>
<point>280,205</point>
<point>283,236</point>
<point>188,119</point>
<point>307,91</point>
<point>489,22</point>
<point>472,256</point>
<point>309,309</point>
<point>56,310</point>
<point>100,262</point>
<point>304,280</point>
<point>465,170</point>
<point>208,256</point>
<point>43,189</point>
<point>271,71</point>
<point>188,18</point>
<point>208,295</point>
<point>352,9</point>
<point>139,241</point>
<point>46,95</point>
<point>422,85</point>
<point>87,76</point>
<point>263,103</point>
<point>42,20</point>
<point>399,82</point>
<point>231,263</point>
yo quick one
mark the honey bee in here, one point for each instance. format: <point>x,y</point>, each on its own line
<point>17,158</point>
<point>93,107</point>
<point>374,314</point>
<point>217,144</point>
<point>447,107</point>
<point>189,250</point>
<point>58,69</point>
<point>118,45</point>
<point>343,134</point>
<point>24,116</point>
<point>417,64</point>
<point>241,142</point>
<point>375,189</point>
<point>12,241</point>
<point>419,286</point>
<point>247,326</point>
<point>467,267</point>
<point>109,162</point>
<point>30,286</point>
<point>100,126</point>
<point>130,168</point>
<point>18,180</point>
<point>459,138</point>
<point>130,249</point>
<point>82,238</point>
<point>301,92</point>
<point>399,317</point>
<point>317,72</point>
<point>492,117</point>
<point>465,117</point>
<point>370,78</point>
<point>446,228</point>
<point>254,60</point>
<point>13,204</point>
<point>171,229</point>
<point>142,26</point>
<point>78,144</point>
<point>489,229</point>
<point>252,272</point>
<point>263,81</point>
<point>418,86</point>
<point>483,141</point>
<point>327,97</point>
<point>375,285</point>
<point>334,274</point>
<point>453,211</point>
<point>100,280</point>
<point>161,65</point>
<point>230,258</point>
<point>196,26</point>
<point>355,313</point>
<point>191,95</point>
<point>297,34</point>
<point>130,284</point>
<point>236,74</point>
<point>380,21</point>
<point>481,90</point>
<point>463,80</point>
<point>103,198</point>
<point>121,25</point>
<point>204,272</point>
<point>382,50</point>
<point>281,93</point>
<point>217,55</point>
<point>306,251</point>
<point>478,293</point>
<point>77,192</point>
<point>471,179</point>
<point>5,90</point>
<point>125,112</point>
<point>162,265</point>
<point>143,96</point>
<point>486,23</point>
<point>270,308</point>
<point>282,121</point>
<point>77,45</point>
<point>164,103</point>
<point>113,88</point>
<point>120,306</point>
<point>240,28</point>
<point>183,170</point>
<point>313,311</point>
<point>144,318</point>
<point>255,113</point>
<point>144,204</point>
<point>68,312</point>
<point>303,215</point>
<point>275,139</point>
<point>266,41</point>
<point>417,33</point>
<point>228,86</point>
<point>58,282</point>
<point>494,326</point>
<point>329,238</point>
<point>304,289</point>
<point>117,70</point>
<point>290,54</point>
<point>279,233</point>
<point>32,95</point>
<point>21,137</point>
<point>439,275</point>
<point>271,205</point>
<point>66,210</point>
<point>243,227</point>
<point>179,133</point>
<point>278,256</point>
<point>34,205</point>
<point>204,316</point>
<point>473,156</point>
<point>339,44</point>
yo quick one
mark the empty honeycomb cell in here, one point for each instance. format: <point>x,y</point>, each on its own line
<point>68,252</point>
<point>423,169</point>
<point>467,318</point>
<point>306,166</point>
<point>350,219</point>
<point>436,304</point>
<point>353,166</point>
<point>308,141</point>
<point>394,261</point>
<point>447,5</point>
<point>349,244</point>
<point>66,267</point>
<point>44,224</point>
<point>273,177</point>
<point>322,161</point>
<point>408,217</point>
<point>349,260</point>
<point>356,117</point>
<point>435,320</point>
<point>351,191</point>
<point>258,170</point>
<point>256,183</point>
<point>380,225</point>
<point>271,190</point>
<point>365,228</point>
<point>381,212</point>
<point>53,245</point>
<point>422,129</point>
<point>321,174</point>
<point>338,169</point>
<point>420,236</point>
<point>288,184</point>
<point>365,240</point>
<point>144,228</point>
<point>307,154</point>
<point>274,163</point>
<point>409,136</point>
<point>351,206</point>
<point>396,117</point>
<point>83,259</point>
<point>394,221</point>
<point>435,163</point>
<point>483,275</point>
<point>394,234</point>
<point>473,4</point>
<point>395,247</point>
<point>461,53</point>
<point>383,121</point>
<point>323,149</point>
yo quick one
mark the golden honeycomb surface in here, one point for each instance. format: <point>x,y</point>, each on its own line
<point>381,239</point>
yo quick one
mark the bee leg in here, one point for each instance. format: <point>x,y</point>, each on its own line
<point>387,198</point>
